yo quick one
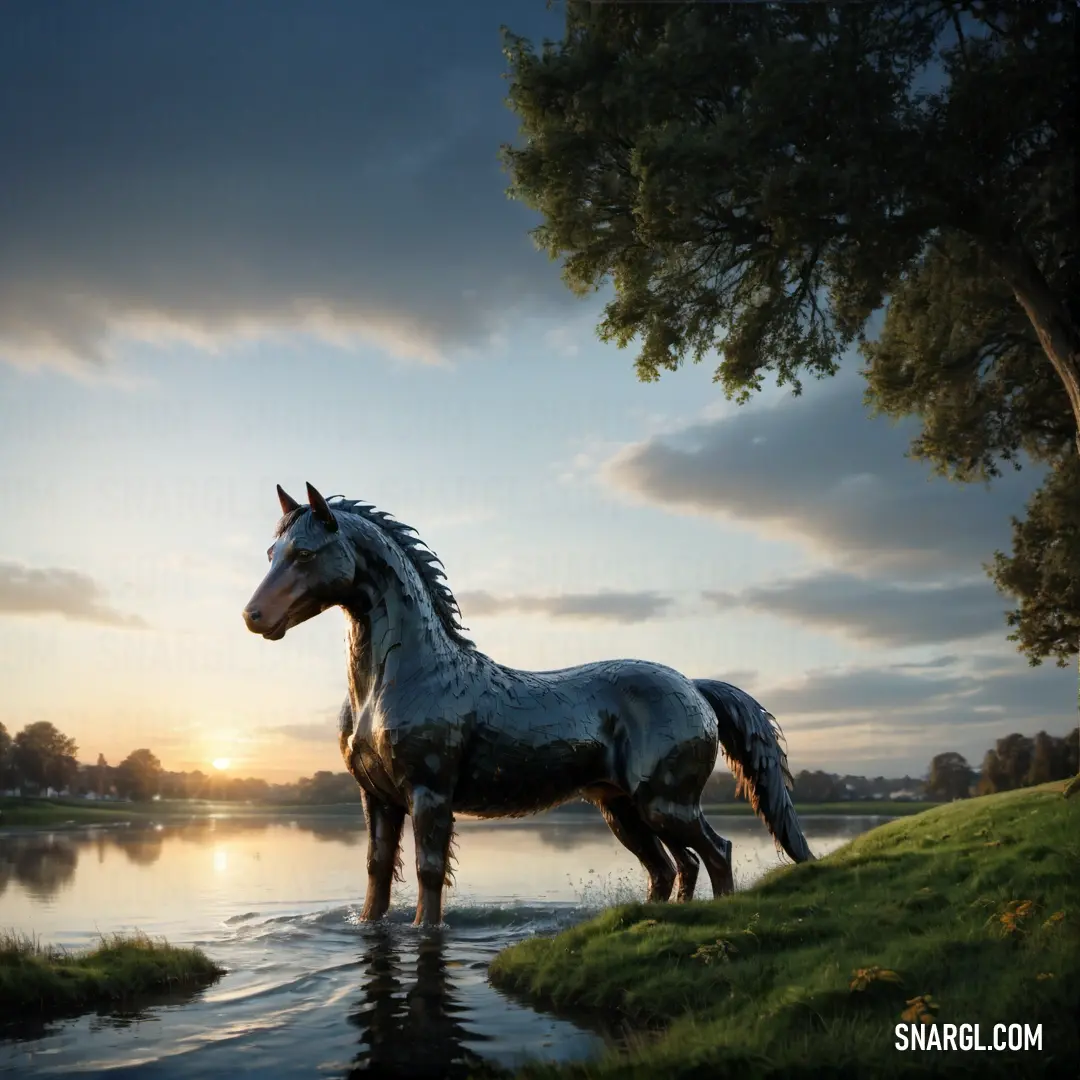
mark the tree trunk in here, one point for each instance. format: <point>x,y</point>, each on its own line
<point>1058,334</point>
<point>1073,786</point>
<point>1059,337</point>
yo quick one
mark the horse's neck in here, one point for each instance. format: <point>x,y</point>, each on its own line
<point>358,651</point>
<point>393,637</point>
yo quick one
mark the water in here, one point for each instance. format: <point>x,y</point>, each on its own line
<point>310,991</point>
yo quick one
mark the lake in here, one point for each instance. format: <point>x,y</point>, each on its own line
<point>310,991</point>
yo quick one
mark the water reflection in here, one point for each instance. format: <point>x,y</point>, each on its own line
<point>41,864</point>
<point>44,863</point>
<point>418,1032</point>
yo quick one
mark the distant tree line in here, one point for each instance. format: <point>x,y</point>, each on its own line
<point>1015,761</point>
<point>821,787</point>
<point>40,758</point>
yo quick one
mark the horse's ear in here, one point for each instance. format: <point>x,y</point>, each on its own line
<point>320,509</point>
<point>288,503</point>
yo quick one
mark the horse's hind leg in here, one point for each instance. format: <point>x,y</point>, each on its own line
<point>631,831</point>
<point>687,866</point>
<point>677,830</point>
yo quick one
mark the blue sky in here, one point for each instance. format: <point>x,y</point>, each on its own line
<point>257,243</point>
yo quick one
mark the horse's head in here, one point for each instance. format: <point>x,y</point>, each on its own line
<point>312,567</point>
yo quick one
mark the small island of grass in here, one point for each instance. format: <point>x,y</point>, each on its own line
<point>41,980</point>
<point>968,913</point>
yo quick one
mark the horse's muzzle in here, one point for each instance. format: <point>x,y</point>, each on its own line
<point>254,621</point>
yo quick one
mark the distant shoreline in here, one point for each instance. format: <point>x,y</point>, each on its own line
<point>23,814</point>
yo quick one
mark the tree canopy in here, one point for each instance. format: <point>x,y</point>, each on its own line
<point>950,777</point>
<point>1019,761</point>
<point>44,756</point>
<point>138,776</point>
<point>5,754</point>
<point>760,179</point>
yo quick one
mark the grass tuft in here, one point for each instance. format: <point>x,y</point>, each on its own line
<point>40,979</point>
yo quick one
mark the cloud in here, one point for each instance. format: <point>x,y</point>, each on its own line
<point>893,718</point>
<point>904,694</point>
<point>26,591</point>
<point>744,678</point>
<point>607,606</point>
<point>866,691</point>
<point>875,612</point>
<point>316,732</point>
<point>819,468</point>
<point>201,176</point>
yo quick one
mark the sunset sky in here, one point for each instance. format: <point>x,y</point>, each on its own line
<point>255,243</point>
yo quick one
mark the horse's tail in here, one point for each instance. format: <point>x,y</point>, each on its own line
<point>751,740</point>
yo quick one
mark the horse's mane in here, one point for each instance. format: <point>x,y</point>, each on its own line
<point>423,560</point>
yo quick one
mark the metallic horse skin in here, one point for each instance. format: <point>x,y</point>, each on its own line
<point>432,727</point>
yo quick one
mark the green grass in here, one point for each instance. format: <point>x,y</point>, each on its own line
<point>868,808</point>
<point>46,812</point>
<point>38,980</point>
<point>764,983</point>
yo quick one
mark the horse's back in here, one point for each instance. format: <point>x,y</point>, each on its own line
<point>619,723</point>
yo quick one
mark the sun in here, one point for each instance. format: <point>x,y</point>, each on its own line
<point>221,763</point>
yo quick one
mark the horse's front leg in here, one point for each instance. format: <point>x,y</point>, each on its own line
<point>433,825</point>
<point>384,822</point>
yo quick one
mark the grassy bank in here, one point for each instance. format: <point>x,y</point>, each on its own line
<point>54,813</point>
<point>869,808</point>
<point>40,980</point>
<point>968,913</point>
<point>50,812</point>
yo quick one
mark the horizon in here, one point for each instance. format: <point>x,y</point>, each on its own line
<point>239,284</point>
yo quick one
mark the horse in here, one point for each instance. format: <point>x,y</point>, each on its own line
<point>432,727</point>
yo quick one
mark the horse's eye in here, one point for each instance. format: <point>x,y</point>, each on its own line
<point>270,555</point>
<point>303,555</point>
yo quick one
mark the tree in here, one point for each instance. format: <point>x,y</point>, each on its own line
<point>5,755</point>
<point>950,777</point>
<point>98,777</point>
<point>992,775</point>
<point>43,756</point>
<point>1072,753</point>
<point>814,787</point>
<point>138,775</point>
<point>1008,765</point>
<point>1015,752</point>
<point>1047,760</point>
<point>760,179</point>
<point>1044,568</point>
<point>327,787</point>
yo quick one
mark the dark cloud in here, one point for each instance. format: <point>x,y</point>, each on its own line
<point>892,719</point>
<point>619,607</point>
<point>949,660</point>
<point>866,690</point>
<point>819,467</point>
<point>892,695</point>
<point>209,169</point>
<point>878,612</point>
<point>26,591</point>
